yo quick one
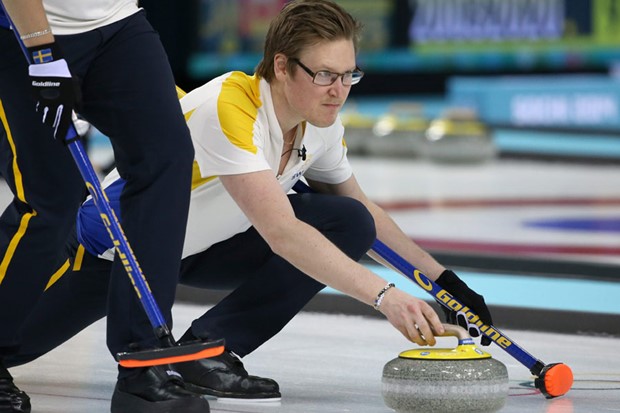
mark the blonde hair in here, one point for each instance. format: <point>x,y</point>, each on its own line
<point>303,23</point>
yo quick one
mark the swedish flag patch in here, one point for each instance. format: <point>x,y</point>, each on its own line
<point>42,56</point>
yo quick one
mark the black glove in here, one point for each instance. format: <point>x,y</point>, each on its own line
<point>54,88</point>
<point>468,297</point>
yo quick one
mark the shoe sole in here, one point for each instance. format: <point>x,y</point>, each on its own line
<point>232,400</point>
<point>232,397</point>
<point>128,403</point>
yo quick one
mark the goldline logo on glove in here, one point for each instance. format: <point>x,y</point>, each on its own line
<point>45,84</point>
<point>53,87</point>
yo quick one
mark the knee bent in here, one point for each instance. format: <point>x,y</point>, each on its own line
<point>361,225</point>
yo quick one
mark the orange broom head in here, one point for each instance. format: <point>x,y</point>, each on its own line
<point>558,380</point>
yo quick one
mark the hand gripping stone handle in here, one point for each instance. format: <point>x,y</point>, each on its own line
<point>451,330</point>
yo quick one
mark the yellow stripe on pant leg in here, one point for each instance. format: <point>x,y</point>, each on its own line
<point>4,265</point>
<point>59,273</point>
<point>17,175</point>
<point>23,225</point>
<point>79,256</point>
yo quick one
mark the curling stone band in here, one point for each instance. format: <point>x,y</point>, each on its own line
<point>466,349</point>
<point>463,379</point>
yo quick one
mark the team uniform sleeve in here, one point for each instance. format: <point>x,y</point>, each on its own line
<point>227,136</point>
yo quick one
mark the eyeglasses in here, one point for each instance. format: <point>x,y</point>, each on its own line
<point>327,78</point>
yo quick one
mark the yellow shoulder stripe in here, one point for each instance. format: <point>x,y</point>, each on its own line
<point>241,93</point>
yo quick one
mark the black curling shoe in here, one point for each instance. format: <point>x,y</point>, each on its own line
<point>156,389</point>
<point>12,399</point>
<point>224,377</point>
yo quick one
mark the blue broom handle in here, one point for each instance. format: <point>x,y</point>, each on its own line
<point>124,251</point>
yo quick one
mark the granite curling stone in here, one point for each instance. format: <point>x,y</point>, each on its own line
<point>458,136</point>
<point>461,380</point>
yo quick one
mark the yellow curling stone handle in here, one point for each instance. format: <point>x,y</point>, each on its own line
<point>466,349</point>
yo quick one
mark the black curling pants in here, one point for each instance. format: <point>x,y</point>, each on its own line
<point>128,93</point>
<point>267,292</point>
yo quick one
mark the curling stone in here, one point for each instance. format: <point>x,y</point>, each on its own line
<point>398,133</point>
<point>458,137</point>
<point>460,380</point>
<point>358,127</point>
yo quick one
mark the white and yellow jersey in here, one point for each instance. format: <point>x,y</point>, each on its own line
<point>234,130</point>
